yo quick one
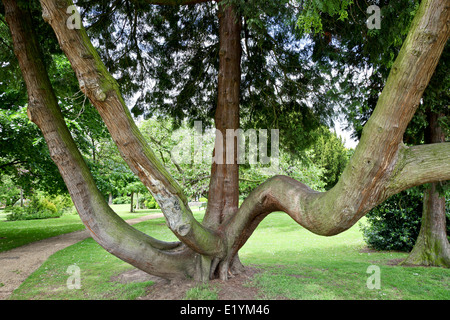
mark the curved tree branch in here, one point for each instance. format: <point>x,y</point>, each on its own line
<point>166,259</point>
<point>421,164</point>
<point>103,92</point>
<point>381,166</point>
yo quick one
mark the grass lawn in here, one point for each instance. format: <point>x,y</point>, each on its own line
<point>300,265</point>
<point>18,233</point>
<point>295,264</point>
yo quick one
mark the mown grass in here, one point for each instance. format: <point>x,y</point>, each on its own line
<point>203,291</point>
<point>300,265</point>
<point>294,264</point>
<point>18,233</point>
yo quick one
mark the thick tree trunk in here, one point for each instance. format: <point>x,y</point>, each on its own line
<point>432,247</point>
<point>166,259</point>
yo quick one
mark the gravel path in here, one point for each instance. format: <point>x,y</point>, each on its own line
<point>17,264</point>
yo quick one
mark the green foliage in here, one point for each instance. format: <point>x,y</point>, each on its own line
<point>37,210</point>
<point>9,193</point>
<point>30,166</point>
<point>40,207</point>
<point>176,49</point>
<point>177,151</point>
<point>122,200</point>
<point>395,224</point>
<point>150,203</point>
<point>330,154</point>
<point>301,170</point>
<point>63,203</point>
<point>309,19</point>
<point>193,175</point>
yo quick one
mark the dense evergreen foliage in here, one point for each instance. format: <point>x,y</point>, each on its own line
<point>395,224</point>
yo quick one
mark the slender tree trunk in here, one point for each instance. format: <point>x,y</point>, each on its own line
<point>21,197</point>
<point>432,247</point>
<point>132,202</point>
<point>223,197</point>
<point>94,158</point>
<point>137,201</point>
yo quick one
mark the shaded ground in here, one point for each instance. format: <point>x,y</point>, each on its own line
<point>17,264</point>
<point>235,288</point>
<point>392,262</point>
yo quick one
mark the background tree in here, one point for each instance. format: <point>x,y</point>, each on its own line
<point>330,154</point>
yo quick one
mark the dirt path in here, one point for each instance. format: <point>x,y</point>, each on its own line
<point>17,264</point>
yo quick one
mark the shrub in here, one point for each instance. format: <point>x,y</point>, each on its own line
<point>15,213</point>
<point>47,205</point>
<point>150,203</point>
<point>63,203</point>
<point>25,213</point>
<point>38,208</point>
<point>122,200</point>
<point>395,224</point>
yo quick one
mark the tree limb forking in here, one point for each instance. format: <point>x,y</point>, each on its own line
<point>421,164</point>
<point>102,90</point>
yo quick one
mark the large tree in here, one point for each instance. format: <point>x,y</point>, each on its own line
<point>349,56</point>
<point>380,167</point>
